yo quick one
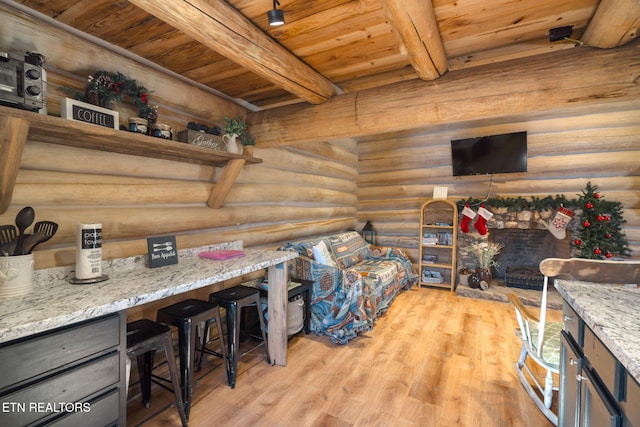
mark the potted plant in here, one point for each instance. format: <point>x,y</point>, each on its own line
<point>233,128</point>
<point>484,254</point>
<point>248,141</point>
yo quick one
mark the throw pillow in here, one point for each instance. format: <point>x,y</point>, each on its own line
<point>348,249</point>
<point>322,255</point>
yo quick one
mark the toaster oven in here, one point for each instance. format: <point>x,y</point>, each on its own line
<point>20,83</point>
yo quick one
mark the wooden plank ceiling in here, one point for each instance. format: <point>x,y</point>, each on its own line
<point>329,47</point>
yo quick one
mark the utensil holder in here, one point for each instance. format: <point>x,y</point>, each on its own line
<point>16,275</point>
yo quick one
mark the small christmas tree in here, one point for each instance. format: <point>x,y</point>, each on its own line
<point>599,234</point>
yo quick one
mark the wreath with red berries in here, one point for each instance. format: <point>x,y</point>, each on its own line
<point>105,88</point>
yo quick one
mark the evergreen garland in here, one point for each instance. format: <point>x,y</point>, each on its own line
<point>599,235</point>
<point>104,88</point>
<point>519,204</point>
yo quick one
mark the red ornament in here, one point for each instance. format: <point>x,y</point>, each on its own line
<point>607,236</point>
<point>577,242</point>
<point>600,218</point>
<point>607,218</point>
<point>597,251</point>
<point>586,223</point>
<point>596,195</point>
<point>608,254</point>
<point>589,205</point>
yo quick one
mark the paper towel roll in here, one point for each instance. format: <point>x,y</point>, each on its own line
<point>89,251</point>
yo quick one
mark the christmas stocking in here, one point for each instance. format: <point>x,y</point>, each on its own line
<point>468,215</point>
<point>481,223</point>
<point>558,226</point>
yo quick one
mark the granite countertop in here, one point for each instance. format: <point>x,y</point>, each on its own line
<point>54,302</point>
<point>611,312</point>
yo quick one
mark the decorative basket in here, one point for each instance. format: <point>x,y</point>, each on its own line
<point>430,276</point>
<point>202,139</point>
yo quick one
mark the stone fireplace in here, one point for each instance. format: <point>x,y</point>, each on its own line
<point>526,242</point>
<point>526,248</point>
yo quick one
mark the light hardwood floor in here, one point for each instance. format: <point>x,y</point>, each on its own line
<point>433,359</point>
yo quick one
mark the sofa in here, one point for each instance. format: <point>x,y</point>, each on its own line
<point>354,282</point>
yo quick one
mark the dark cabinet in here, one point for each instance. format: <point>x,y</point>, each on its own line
<point>631,403</point>
<point>570,369</point>
<point>593,383</point>
<point>69,376</point>
<point>598,409</point>
<point>101,414</point>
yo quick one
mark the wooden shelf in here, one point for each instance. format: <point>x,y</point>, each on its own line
<point>436,265</point>
<point>436,212</point>
<point>16,126</point>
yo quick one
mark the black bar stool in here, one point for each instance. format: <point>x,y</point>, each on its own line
<point>186,316</point>
<point>234,300</point>
<point>144,337</point>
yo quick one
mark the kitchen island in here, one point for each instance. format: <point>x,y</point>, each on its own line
<point>611,312</point>
<point>60,334</point>
<point>600,362</point>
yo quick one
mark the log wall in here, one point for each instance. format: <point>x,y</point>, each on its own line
<point>397,175</point>
<point>302,188</point>
<point>294,193</point>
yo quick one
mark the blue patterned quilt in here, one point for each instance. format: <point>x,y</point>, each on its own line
<point>347,299</point>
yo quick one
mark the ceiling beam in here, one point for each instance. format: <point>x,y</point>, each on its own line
<point>415,23</point>
<point>217,25</point>
<point>615,23</point>
<point>545,86</point>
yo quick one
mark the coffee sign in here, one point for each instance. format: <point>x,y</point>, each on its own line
<point>79,111</point>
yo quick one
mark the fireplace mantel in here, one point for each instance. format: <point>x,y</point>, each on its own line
<point>524,220</point>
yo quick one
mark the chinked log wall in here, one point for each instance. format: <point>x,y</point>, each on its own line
<point>581,108</point>
<point>302,188</point>
<point>294,193</point>
<point>564,154</point>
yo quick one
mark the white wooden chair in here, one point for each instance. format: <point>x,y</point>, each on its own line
<point>541,339</point>
<point>541,342</point>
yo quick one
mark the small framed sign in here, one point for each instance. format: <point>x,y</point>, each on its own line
<point>162,251</point>
<point>440,192</point>
<point>79,111</point>
<point>202,139</point>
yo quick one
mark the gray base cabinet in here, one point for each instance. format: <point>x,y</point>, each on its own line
<point>570,369</point>
<point>595,389</point>
<point>71,376</point>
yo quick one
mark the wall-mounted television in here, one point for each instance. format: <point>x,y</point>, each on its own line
<point>506,153</point>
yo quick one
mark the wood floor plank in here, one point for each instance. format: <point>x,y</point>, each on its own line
<point>434,359</point>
